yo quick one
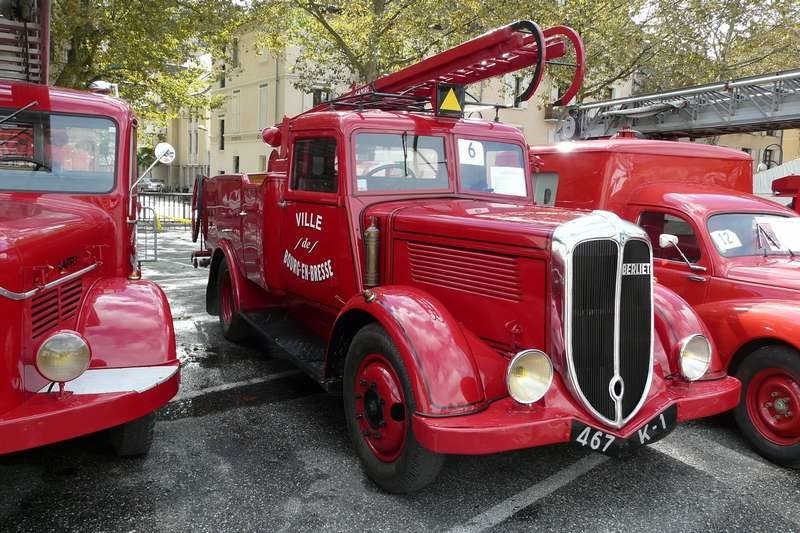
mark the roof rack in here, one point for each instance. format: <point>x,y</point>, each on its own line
<point>501,51</point>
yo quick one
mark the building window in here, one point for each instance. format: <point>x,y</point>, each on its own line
<point>235,110</point>
<point>262,106</point>
<point>320,95</point>
<point>768,156</point>
<point>608,93</point>
<point>517,90</point>
<point>236,164</point>
<point>222,76</point>
<point>314,165</point>
<point>222,134</point>
<point>262,163</point>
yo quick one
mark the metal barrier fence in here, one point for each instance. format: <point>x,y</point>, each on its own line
<point>172,208</point>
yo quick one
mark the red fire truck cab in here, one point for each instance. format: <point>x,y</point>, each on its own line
<point>728,253</point>
<point>86,344</point>
<point>395,255</point>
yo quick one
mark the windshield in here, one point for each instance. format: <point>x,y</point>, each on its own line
<point>743,234</point>
<point>400,162</point>
<point>491,167</point>
<point>56,153</point>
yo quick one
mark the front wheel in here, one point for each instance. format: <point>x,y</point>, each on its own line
<point>378,405</point>
<point>133,438</point>
<point>768,414</point>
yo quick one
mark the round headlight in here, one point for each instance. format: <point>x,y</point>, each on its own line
<point>529,376</point>
<point>63,357</point>
<point>695,356</point>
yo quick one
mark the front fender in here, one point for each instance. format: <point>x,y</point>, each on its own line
<point>441,360</point>
<point>127,323</point>
<point>739,322</point>
<point>674,320</point>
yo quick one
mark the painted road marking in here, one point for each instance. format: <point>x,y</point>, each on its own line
<point>733,468</point>
<point>189,395</point>
<point>505,509</point>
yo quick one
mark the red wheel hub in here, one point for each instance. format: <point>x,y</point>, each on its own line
<point>773,404</point>
<point>226,298</point>
<point>380,407</point>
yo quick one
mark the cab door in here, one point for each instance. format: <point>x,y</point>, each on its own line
<point>691,283</point>
<point>316,254</point>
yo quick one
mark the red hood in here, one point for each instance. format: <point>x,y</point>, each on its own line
<point>38,232</point>
<point>775,271</point>
<point>480,220</point>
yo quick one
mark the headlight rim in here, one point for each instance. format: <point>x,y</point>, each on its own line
<point>550,379</point>
<point>681,349</point>
<point>44,341</point>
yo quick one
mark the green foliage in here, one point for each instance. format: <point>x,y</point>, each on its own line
<point>660,43</point>
<point>149,47</point>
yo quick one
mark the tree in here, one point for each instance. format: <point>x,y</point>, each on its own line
<point>357,41</point>
<point>662,43</point>
<point>151,48</point>
<point>712,40</point>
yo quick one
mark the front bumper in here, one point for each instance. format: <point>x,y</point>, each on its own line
<point>506,425</point>
<point>99,399</point>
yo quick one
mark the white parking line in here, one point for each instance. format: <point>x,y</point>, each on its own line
<point>505,509</point>
<point>235,385</point>
<point>735,469</point>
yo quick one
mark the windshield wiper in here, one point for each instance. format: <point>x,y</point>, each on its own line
<point>763,231</point>
<point>18,111</point>
<point>39,164</point>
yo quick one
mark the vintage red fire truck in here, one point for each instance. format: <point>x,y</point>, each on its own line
<point>87,345</point>
<point>395,254</point>
<point>728,253</point>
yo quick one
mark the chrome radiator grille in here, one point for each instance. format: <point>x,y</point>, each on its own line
<point>606,313</point>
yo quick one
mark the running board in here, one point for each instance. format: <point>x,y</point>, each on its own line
<point>303,348</point>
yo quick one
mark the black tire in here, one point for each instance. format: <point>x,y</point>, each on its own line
<point>779,358</point>
<point>415,467</point>
<point>133,438</point>
<point>234,328</point>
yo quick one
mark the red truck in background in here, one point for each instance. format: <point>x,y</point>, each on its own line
<point>86,344</point>
<point>393,250</point>
<point>733,256</point>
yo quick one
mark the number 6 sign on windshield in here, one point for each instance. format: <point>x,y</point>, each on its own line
<point>470,152</point>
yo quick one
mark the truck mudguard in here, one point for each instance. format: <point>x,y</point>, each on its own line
<point>445,377</point>
<point>740,322</point>
<point>674,321</point>
<point>127,323</point>
<point>245,293</point>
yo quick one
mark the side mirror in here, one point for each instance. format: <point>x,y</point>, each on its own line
<point>165,153</point>
<point>665,240</point>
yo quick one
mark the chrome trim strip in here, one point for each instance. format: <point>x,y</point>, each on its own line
<point>17,296</point>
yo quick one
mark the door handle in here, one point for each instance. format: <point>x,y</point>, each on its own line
<point>695,277</point>
<point>282,203</point>
<point>242,213</point>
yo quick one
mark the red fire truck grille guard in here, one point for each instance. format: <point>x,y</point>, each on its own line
<point>50,309</point>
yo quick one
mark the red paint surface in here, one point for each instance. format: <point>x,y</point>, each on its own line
<point>45,236</point>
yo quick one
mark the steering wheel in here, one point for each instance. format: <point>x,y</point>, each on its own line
<point>388,166</point>
<point>38,164</point>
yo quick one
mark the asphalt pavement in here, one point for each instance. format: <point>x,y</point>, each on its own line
<point>251,444</point>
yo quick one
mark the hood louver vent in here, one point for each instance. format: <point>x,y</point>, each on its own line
<point>481,273</point>
<point>50,309</point>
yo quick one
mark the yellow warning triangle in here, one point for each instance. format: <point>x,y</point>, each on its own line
<point>450,102</point>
